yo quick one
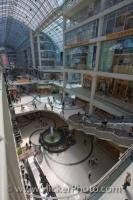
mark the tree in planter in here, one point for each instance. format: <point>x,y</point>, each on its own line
<point>55,89</point>
<point>19,150</point>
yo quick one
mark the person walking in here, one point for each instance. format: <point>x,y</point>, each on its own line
<point>34,104</point>
<point>127,181</point>
<point>83,119</point>
<point>85,142</point>
<point>89,174</point>
<point>45,106</point>
<point>27,146</point>
<point>30,143</point>
<point>20,99</point>
<point>78,114</point>
<point>22,107</point>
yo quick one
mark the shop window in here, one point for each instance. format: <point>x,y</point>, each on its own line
<point>106,57</point>
<point>91,56</point>
<point>119,26</point>
<point>129,21</point>
<point>110,25</point>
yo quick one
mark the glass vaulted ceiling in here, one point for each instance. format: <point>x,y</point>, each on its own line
<point>16,16</point>
<point>55,31</point>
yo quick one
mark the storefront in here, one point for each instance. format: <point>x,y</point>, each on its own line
<point>117,56</point>
<point>87,81</point>
<point>81,57</point>
<point>118,20</point>
<point>121,89</point>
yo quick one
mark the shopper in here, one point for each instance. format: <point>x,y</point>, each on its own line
<point>45,107</point>
<point>22,107</point>
<point>104,123</point>
<point>89,175</point>
<point>27,146</point>
<point>78,114</point>
<point>85,142</point>
<point>30,143</point>
<point>127,181</point>
<point>83,119</point>
<point>130,131</point>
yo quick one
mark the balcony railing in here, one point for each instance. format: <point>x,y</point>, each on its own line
<point>10,178</point>
<point>50,68</point>
<point>3,163</point>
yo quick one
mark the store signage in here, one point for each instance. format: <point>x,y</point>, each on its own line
<point>119,34</point>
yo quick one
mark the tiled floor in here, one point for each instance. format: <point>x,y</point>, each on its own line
<point>26,101</point>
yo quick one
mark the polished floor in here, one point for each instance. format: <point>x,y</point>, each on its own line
<point>26,101</point>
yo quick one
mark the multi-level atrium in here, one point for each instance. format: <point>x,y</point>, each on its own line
<point>66,95</point>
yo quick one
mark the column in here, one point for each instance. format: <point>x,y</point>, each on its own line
<point>32,49</point>
<point>102,4</point>
<point>82,79</point>
<point>39,53</point>
<point>64,73</point>
<point>64,27</point>
<point>94,78</point>
<point>93,90</point>
<point>64,84</point>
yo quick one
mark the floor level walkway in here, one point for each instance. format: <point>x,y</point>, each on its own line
<point>27,102</point>
<point>108,104</point>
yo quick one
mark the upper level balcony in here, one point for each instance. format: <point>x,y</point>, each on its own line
<point>81,35</point>
<point>77,11</point>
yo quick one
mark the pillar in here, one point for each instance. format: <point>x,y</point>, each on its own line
<point>82,79</point>
<point>94,78</point>
<point>39,53</point>
<point>32,49</point>
<point>64,84</point>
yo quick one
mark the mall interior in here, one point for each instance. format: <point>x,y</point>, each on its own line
<point>66,99</point>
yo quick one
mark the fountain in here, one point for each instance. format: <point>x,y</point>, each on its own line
<point>51,131</point>
<point>56,140</point>
<point>52,137</point>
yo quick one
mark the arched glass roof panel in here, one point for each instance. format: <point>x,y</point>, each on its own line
<point>31,13</point>
<point>16,32</point>
<point>35,10</point>
<point>55,31</point>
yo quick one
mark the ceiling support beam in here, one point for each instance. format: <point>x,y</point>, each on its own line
<point>52,17</point>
